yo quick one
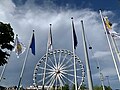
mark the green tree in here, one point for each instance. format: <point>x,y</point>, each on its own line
<point>83,87</point>
<point>98,88</point>
<point>108,88</point>
<point>101,88</point>
<point>6,40</point>
<point>73,87</point>
<point>65,87</point>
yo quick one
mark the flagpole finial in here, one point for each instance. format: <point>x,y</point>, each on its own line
<point>71,17</point>
<point>50,24</point>
<point>16,34</point>
<point>81,20</point>
<point>33,30</point>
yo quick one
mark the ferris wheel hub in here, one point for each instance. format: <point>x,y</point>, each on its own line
<point>57,71</point>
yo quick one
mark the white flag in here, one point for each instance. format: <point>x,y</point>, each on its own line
<point>19,48</point>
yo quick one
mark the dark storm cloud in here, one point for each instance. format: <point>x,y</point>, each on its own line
<point>28,16</point>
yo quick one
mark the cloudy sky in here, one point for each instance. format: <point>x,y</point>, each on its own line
<point>26,15</point>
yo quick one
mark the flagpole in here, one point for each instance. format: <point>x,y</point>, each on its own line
<point>2,73</point>
<point>46,60</point>
<point>89,75</point>
<point>110,47</point>
<point>24,64</point>
<point>4,68</point>
<point>74,59</point>
<point>115,47</point>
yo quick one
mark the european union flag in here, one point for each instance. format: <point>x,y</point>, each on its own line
<point>32,45</point>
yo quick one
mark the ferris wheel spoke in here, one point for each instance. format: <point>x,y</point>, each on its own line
<point>62,79</point>
<point>52,81</point>
<point>71,75</point>
<point>61,83</point>
<point>49,66</point>
<point>48,82</point>
<point>45,77</point>
<point>49,73</point>
<point>56,81</point>
<point>70,70</point>
<point>55,59</point>
<point>66,62</point>
<point>46,69</point>
<point>68,79</point>
<point>40,81</point>
<point>59,58</point>
<point>67,67</point>
<point>48,77</point>
<point>51,62</point>
<point>62,61</point>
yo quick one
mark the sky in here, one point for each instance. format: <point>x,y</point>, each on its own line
<point>26,15</point>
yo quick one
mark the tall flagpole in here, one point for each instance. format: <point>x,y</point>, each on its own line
<point>46,60</point>
<point>89,76</point>
<point>74,59</point>
<point>3,70</point>
<point>2,73</point>
<point>110,47</point>
<point>23,67</point>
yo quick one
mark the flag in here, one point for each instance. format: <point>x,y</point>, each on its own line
<point>32,45</point>
<point>115,34</point>
<point>108,26</point>
<point>19,48</point>
<point>50,40</point>
<point>74,36</point>
<point>107,23</point>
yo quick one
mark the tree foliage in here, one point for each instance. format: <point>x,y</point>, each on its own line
<point>6,40</point>
<point>101,88</point>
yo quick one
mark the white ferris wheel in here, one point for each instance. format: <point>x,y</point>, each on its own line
<point>56,69</point>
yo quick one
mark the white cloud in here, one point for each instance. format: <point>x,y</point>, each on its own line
<point>28,17</point>
<point>100,54</point>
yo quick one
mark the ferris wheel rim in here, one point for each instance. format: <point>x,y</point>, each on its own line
<point>68,52</point>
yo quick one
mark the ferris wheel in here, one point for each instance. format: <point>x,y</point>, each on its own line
<point>57,69</point>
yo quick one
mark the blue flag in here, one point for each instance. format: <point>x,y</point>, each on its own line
<point>32,45</point>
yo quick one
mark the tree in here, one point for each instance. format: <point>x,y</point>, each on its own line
<point>98,88</point>
<point>83,87</point>
<point>66,87</point>
<point>73,87</point>
<point>101,88</point>
<point>6,40</point>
